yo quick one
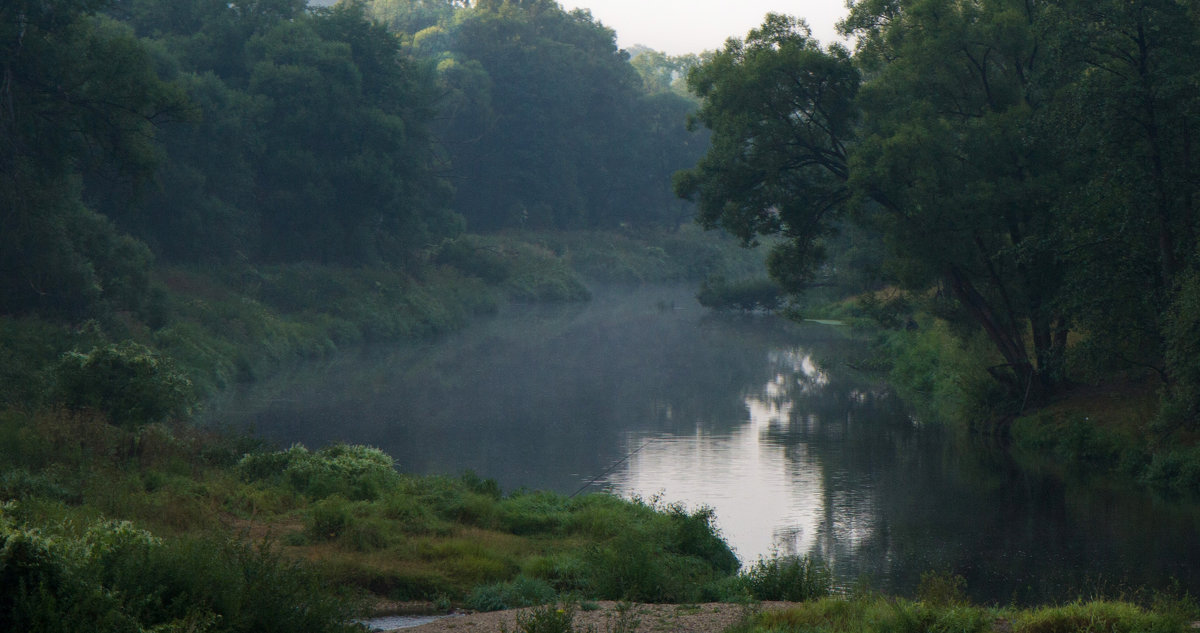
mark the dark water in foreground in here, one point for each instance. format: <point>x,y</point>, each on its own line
<point>643,392</point>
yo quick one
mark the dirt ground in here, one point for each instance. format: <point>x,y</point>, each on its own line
<point>610,617</point>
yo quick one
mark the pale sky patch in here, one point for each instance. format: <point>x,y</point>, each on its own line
<point>692,26</point>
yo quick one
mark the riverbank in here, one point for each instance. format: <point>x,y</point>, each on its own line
<point>863,614</point>
<point>113,502</point>
<point>1107,425</point>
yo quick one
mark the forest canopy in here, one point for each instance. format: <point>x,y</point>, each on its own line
<point>271,131</point>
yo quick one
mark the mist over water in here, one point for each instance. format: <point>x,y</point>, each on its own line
<point>642,392</point>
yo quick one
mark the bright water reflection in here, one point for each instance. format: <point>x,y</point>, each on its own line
<point>763,420</point>
<point>768,496</point>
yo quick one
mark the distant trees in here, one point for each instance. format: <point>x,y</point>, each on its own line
<point>1013,154</point>
<point>545,123</point>
<point>310,140</point>
<point>276,131</point>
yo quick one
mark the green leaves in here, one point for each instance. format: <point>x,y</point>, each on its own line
<point>780,110</point>
<point>127,382</point>
<point>946,131</point>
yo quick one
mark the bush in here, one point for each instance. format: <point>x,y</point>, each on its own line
<point>942,589</point>
<point>112,577</point>
<point>547,619</point>
<point>1176,470</point>
<point>520,592</point>
<point>747,294</point>
<point>354,471</point>
<point>328,518</point>
<point>791,578</point>
<point>696,535</point>
<point>129,383</point>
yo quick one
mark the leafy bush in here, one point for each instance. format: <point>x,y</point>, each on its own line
<point>696,535</point>
<point>112,577</point>
<point>354,471</point>
<point>474,257</point>
<point>328,518</point>
<point>547,619</point>
<point>1177,470</point>
<point>792,578</point>
<point>748,294</point>
<point>128,382</point>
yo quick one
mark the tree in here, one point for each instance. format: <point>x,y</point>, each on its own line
<point>952,148</point>
<point>79,94</point>
<point>1129,117</point>
<point>311,140</point>
<point>938,148</point>
<point>781,111</point>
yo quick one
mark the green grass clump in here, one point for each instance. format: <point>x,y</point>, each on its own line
<point>353,471</point>
<point>791,578</point>
<point>890,615</point>
<point>522,591</point>
<point>108,576</point>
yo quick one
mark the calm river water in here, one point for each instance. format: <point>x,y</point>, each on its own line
<point>642,392</point>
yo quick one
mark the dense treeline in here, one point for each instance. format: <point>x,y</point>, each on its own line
<point>268,131</point>
<point>1031,166</point>
<point>547,124</point>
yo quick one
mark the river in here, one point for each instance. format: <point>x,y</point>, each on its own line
<point>643,392</point>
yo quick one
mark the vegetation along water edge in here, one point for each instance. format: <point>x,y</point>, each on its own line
<point>197,193</point>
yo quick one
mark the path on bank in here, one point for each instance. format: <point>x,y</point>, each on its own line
<point>712,617</point>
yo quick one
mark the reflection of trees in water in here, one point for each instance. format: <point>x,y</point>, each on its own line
<point>898,500</point>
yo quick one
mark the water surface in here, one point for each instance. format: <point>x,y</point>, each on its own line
<point>642,392</point>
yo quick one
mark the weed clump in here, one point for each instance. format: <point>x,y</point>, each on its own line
<point>791,578</point>
<point>353,471</point>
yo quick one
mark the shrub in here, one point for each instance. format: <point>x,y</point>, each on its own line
<point>547,619</point>
<point>112,577</point>
<point>520,592</point>
<point>792,578</point>
<point>1177,470</point>
<point>942,589</point>
<point>748,294</point>
<point>354,471</point>
<point>127,382</point>
<point>696,535</point>
<point>328,518</point>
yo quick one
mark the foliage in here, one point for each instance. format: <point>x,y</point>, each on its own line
<point>941,374</point>
<point>547,619</point>
<point>81,96</point>
<point>1181,406</point>
<point>791,578</point>
<point>513,594</point>
<point>356,472</point>
<point>312,144</point>
<point>111,576</point>
<point>546,124</point>
<point>747,295</point>
<point>943,134</point>
<point>878,614</point>
<point>127,382</point>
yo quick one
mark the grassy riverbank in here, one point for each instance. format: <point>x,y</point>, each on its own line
<point>119,516</point>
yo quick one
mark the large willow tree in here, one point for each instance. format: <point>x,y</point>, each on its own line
<point>1031,160</point>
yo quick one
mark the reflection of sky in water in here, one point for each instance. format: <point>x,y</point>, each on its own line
<point>767,496</point>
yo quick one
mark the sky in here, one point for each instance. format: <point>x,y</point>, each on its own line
<point>691,26</point>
